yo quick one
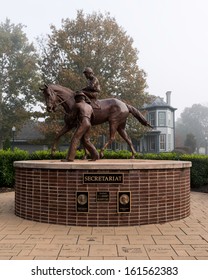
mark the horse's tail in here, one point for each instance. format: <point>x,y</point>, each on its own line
<point>138,115</point>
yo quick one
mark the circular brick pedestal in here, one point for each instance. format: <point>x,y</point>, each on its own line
<point>102,193</point>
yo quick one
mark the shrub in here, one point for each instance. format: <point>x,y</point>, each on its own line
<point>41,155</point>
<point>6,165</point>
<point>199,169</point>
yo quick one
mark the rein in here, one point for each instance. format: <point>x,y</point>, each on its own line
<point>62,101</point>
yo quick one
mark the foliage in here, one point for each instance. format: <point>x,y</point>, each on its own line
<point>6,165</point>
<point>117,154</point>
<point>50,128</point>
<point>95,40</point>
<point>193,121</point>
<point>7,144</point>
<point>199,169</point>
<point>18,78</point>
<point>190,142</point>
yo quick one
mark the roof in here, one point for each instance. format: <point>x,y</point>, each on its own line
<point>158,103</point>
<point>29,132</point>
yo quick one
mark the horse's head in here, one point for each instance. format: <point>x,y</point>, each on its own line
<point>50,98</point>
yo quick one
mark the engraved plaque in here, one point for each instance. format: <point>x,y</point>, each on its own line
<point>103,178</point>
<point>124,202</point>
<point>82,202</point>
<point>102,196</point>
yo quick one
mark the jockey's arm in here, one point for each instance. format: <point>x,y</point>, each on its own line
<point>93,85</point>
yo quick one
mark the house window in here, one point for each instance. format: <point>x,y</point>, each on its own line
<point>161,119</point>
<point>152,143</point>
<point>152,118</point>
<point>162,141</point>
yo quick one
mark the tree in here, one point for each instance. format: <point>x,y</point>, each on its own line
<point>18,78</point>
<point>193,121</point>
<point>97,41</point>
<point>190,142</point>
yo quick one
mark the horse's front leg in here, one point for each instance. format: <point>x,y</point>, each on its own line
<point>62,132</point>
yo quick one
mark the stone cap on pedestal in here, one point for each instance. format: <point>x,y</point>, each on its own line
<point>113,164</point>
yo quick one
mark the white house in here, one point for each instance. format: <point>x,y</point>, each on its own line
<point>161,115</point>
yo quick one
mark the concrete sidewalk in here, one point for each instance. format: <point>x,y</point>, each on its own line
<point>186,239</point>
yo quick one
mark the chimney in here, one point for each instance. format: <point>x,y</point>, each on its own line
<point>168,95</point>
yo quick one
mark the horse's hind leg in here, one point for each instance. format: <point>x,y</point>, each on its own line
<point>124,135</point>
<point>113,129</point>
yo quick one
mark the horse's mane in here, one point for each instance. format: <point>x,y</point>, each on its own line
<point>59,88</point>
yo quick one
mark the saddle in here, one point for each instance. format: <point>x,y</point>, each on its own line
<point>91,98</point>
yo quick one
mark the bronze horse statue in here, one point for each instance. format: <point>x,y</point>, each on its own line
<point>111,110</point>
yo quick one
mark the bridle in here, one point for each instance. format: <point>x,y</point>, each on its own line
<point>61,100</point>
<point>55,96</point>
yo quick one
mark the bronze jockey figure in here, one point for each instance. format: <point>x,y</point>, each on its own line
<point>93,88</point>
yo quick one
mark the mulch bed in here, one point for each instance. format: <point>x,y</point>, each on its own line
<point>4,189</point>
<point>203,189</point>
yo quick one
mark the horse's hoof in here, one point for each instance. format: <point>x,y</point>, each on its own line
<point>94,158</point>
<point>101,155</point>
<point>84,158</point>
<point>67,160</point>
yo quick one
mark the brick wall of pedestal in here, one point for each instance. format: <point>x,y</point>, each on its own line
<point>49,196</point>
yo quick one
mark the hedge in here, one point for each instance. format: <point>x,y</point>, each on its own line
<point>199,169</point>
<point>6,165</point>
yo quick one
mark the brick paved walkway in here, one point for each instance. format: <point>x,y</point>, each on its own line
<point>186,239</point>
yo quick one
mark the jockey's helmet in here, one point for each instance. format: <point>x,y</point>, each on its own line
<point>88,70</point>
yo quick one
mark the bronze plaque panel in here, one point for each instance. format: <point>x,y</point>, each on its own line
<point>102,178</point>
<point>102,196</point>
<point>82,202</point>
<point>124,202</point>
